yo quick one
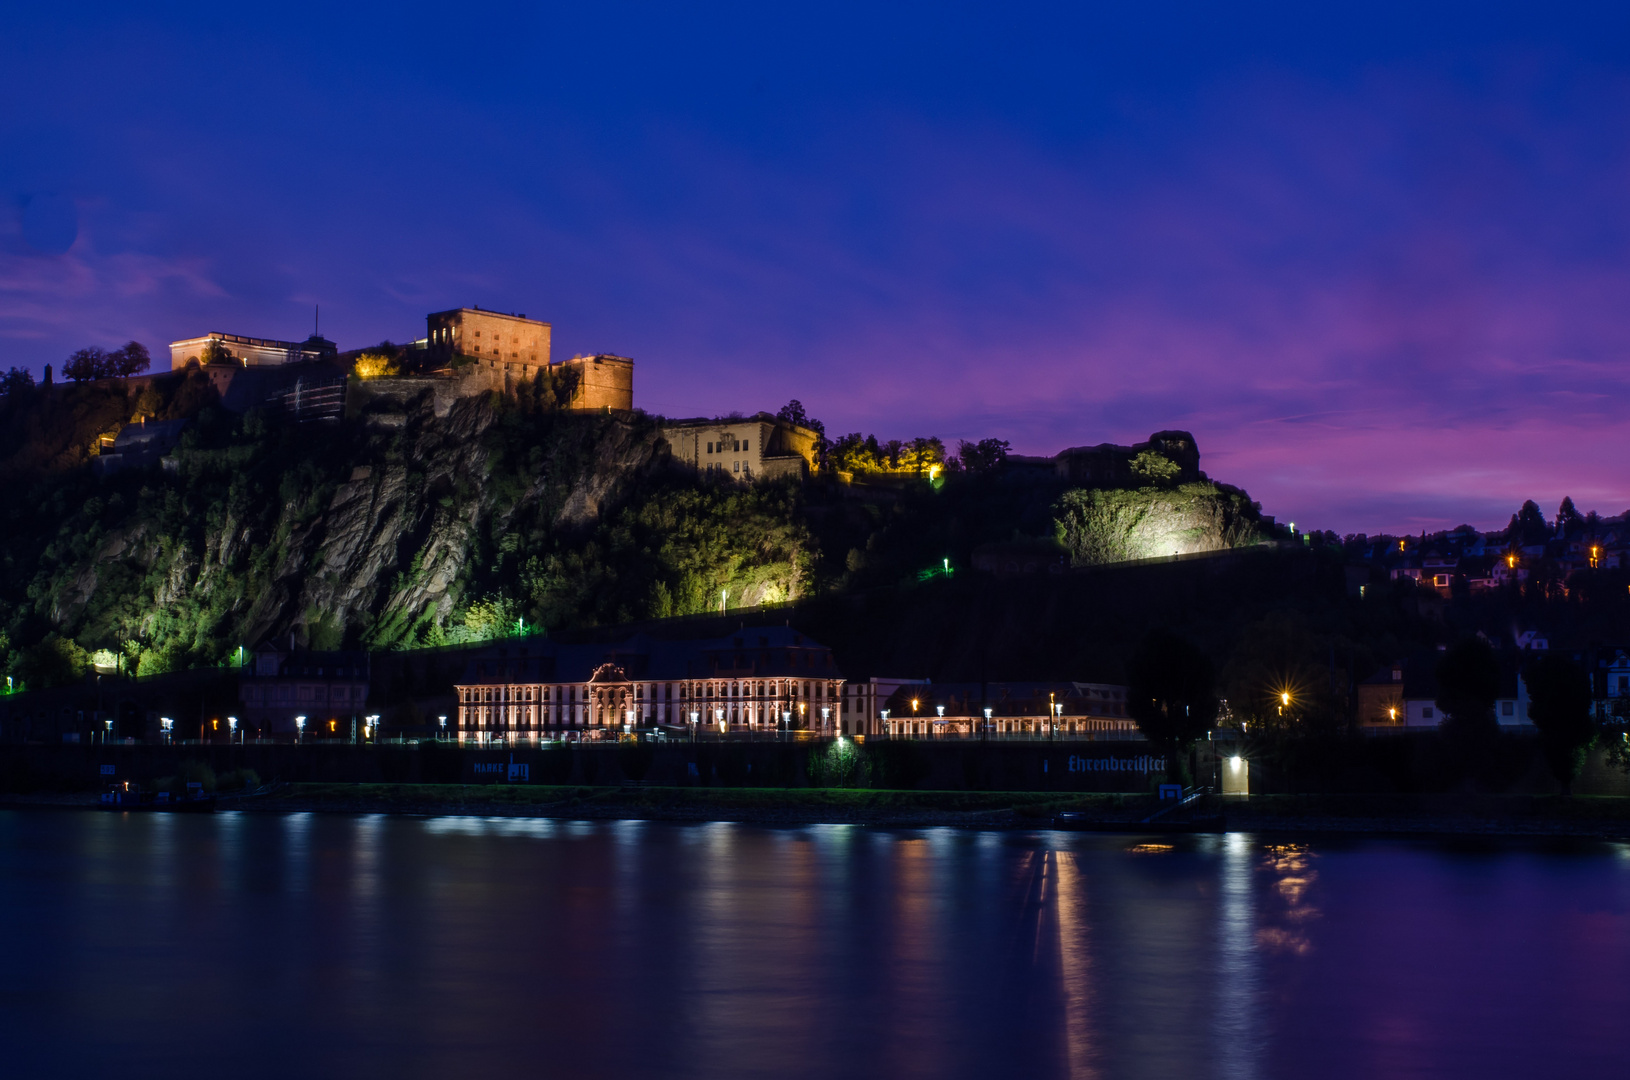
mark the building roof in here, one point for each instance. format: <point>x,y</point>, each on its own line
<point>755,652</point>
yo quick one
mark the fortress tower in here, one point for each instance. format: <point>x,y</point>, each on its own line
<point>508,350</point>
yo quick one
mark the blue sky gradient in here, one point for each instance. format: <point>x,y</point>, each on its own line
<point>1374,257</point>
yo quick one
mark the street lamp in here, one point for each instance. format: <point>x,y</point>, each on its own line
<point>371,731</point>
<point>988,711</point>
<point>443,720</point>
<point>826,711</point>
<point>694,717</point>
<point>299,729</point>
<point>231,728</point>
<point>164,723</point>
<point>886,730</point>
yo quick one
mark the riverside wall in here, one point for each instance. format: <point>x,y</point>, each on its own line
<point>1060,766</point>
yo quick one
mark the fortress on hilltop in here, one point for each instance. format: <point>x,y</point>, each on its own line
<point>507,350</point>
<point>470,350</point>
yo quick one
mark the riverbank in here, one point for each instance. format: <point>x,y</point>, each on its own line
<point>1594,817</point>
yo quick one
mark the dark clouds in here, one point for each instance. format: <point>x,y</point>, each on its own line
<point>1377,265</point>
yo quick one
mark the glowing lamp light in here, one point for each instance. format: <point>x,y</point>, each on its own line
<point>1284,698</point>
<point>1234,762</point>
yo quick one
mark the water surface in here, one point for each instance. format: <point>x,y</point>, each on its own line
<point>260,945</point>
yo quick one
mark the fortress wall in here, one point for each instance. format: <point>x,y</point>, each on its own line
<point>604,382</point>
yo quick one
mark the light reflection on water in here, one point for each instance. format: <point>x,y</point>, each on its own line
<point>371,946</point>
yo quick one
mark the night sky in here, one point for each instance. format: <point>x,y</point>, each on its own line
<point>1375,258</point>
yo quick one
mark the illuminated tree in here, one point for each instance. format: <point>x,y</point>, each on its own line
<point>374,365</point>
<point>1156,470</point>
<point>215,353</point>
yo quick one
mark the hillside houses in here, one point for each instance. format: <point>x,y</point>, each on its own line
<point>1470,560</point>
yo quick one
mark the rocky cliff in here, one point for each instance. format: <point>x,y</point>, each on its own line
<point>416,521</point>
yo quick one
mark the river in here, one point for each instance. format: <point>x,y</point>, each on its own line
<point>264,945</point>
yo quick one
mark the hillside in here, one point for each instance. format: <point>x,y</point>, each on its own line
<point>416,523</point>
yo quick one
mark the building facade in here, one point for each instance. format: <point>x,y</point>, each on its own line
<point>759,447</point>
<point>252,351</point>
<point>508,350</point>
<point>1074,710</point>
<point>760,680</point>
<point>328,691</point>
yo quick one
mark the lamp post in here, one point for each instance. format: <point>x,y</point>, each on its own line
<point>694,717</point>
<point>443,720</point>
<point>164,723</point>
<point>988,711</point>
<point>299,729</point>
<point>886,730</point>
<point>231,729</point>
<point>826,711</point>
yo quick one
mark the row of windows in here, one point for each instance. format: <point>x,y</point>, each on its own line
<point>734,446</point>
<point>687,691</point>
<point>574,715</point>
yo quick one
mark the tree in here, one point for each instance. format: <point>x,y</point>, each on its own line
<point>375,365</point>
<point>1567,518</point>
<point>1171,693</point>
<point>87,364</point>
<point>1528,525</point>
<point>16,381</point>
<point>95,363</point>
<point>1468,686</point>
<point>1559,702</point>
<point>984,455</point>
<point>55,661</point>
<point>793,413</point>
<point>132,359</point>
<point>215,353</point>
<point>1156,470</point>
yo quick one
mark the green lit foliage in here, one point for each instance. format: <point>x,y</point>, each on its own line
<point>863,455</point>
<point>1155,470</point>
<point>1100,525</point>
<point>488,618</point>
<point>840,764</point>
<point>673,550</point>
<point>55,661</point>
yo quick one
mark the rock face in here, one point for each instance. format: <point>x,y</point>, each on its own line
<point>1109,465</point>
<point>370,533</point>
<point>1097,526</point>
